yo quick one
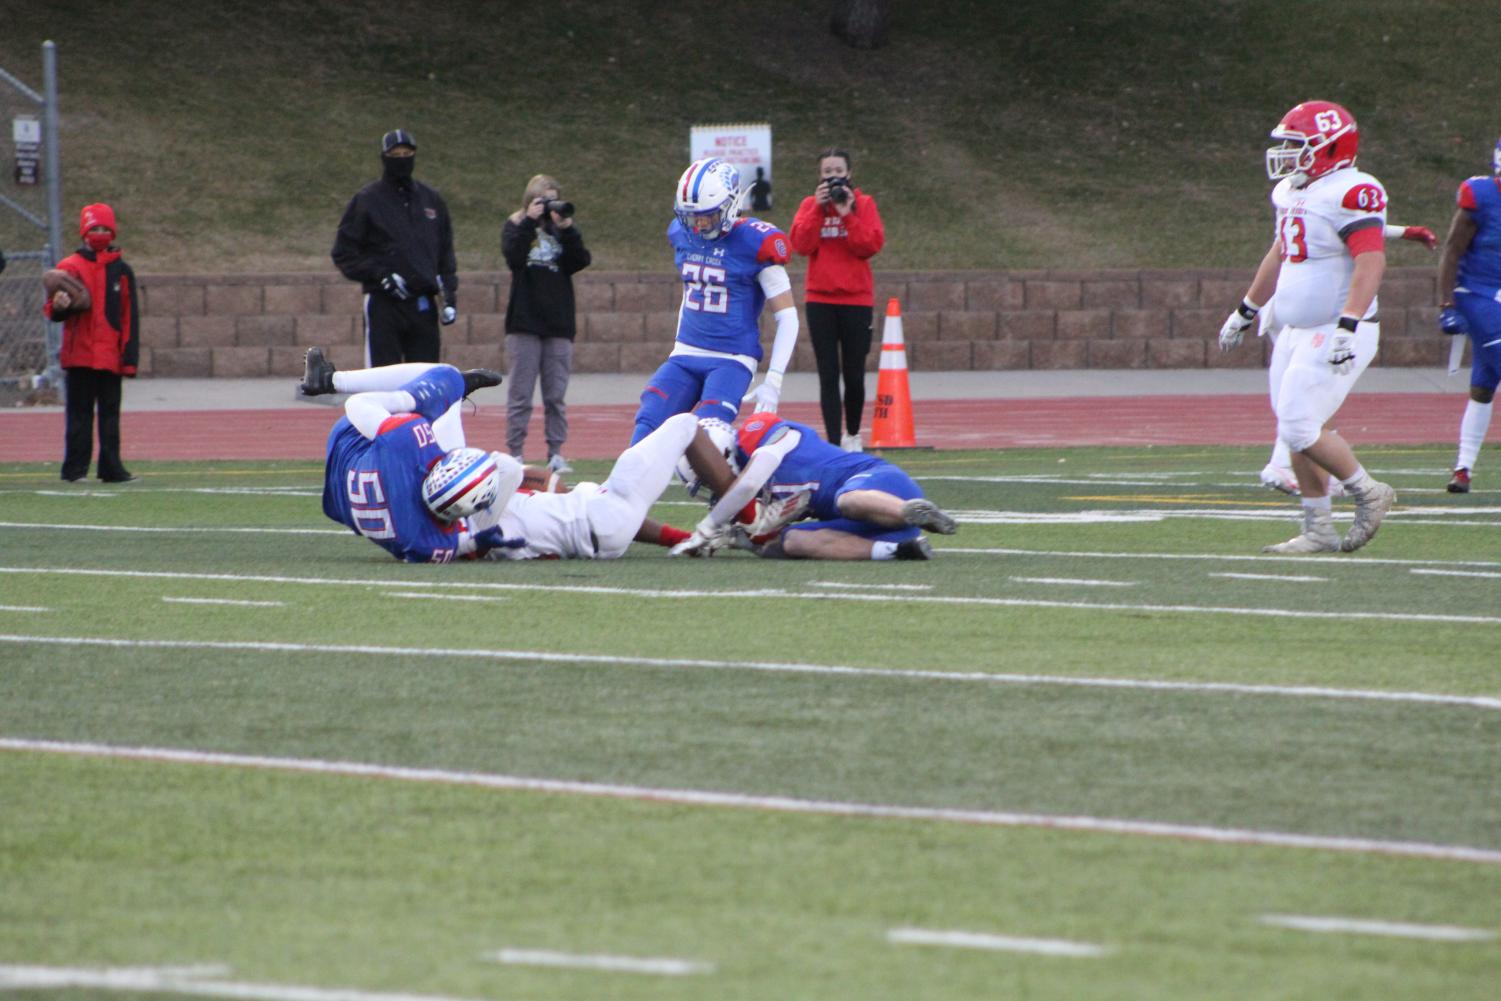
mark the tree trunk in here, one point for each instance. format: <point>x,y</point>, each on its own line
<point>861,23</point>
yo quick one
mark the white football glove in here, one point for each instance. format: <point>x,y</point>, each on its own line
<point>1342,351</point>
<point>707,539</point>
<point>776,515</point>
<point>767,395</point>
<point>1236,324</point>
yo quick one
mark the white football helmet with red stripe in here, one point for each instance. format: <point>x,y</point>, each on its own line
<point>709,197</point>
<point>467,480</point>
<point>723,437</point>
<point>1312,139</point>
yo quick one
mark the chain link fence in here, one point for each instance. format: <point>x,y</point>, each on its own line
<point>28,207</point>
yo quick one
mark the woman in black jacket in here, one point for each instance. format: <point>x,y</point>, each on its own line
<point>543,249</point>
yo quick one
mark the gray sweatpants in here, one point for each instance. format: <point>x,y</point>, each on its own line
<point>530,356</point>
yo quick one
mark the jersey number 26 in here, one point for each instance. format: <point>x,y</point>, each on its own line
<point>706,289</point>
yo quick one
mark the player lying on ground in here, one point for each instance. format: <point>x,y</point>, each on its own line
<point>398,470</point>
<point>866,508</point>
<point>598,521</point>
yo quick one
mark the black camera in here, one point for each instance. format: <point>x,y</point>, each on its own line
<point>562,208</point>
<point>839,189</point>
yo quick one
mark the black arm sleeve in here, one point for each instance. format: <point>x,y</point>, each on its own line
<point>130,353</point>
<point>575,256</point>
<point>349,254</point>
<point>516,242</point>
<point>448,267</point>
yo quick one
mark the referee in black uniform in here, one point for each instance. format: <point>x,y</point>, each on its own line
<point>396,240</point>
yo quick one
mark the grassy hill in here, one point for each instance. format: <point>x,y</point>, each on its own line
<point>1024,134</point>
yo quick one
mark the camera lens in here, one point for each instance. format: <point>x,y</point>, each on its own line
<point>562,208</point>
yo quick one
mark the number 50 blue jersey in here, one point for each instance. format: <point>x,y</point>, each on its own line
<point>722,300</point>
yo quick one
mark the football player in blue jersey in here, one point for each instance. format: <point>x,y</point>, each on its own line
<point>866,508</point>
<point>398,471</point>
<point>731,268</point>
<point>1469,283</point>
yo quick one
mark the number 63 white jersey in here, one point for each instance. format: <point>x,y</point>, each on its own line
<point>1313,226</point>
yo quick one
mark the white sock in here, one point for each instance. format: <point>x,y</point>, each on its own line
<point>1472,428</point>
<point>1359,482</point>
<point>1281,457</point>
<point>367,380</point>
<point>883,550</point>
<point>1318,504</point>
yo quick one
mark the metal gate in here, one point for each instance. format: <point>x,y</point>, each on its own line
<point>30,232</point>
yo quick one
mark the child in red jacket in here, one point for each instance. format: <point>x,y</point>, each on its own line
<point>100,344</point>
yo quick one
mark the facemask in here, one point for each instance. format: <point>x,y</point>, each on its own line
<point>98,241</point>
<point>398,168</point>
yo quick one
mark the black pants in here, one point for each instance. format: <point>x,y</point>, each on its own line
<point>841,340</point>
<point>87,388</point>
<point>400,330</point>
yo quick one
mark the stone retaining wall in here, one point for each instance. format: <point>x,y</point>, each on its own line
<point>238,326</point>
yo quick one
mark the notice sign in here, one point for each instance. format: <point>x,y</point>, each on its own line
<point>27,132</point>
<point>745,144</point>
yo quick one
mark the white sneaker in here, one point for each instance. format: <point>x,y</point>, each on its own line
<point>1370,509</point>
<point>558,464</point>
<point>1281,479</point>
<point>1318,536</point>
<point>852,443</point>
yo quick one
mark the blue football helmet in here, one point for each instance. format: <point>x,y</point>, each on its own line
<point>709,191</point>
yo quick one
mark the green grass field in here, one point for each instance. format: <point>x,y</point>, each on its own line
<point>1099,723</point>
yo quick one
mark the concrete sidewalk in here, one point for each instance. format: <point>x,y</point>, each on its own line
<point>802,387</point>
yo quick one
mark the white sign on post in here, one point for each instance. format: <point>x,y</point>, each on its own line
<point>26,130</point>
<point>747,145</point>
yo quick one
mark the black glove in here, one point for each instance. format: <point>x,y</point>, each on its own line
<point>395,286</point>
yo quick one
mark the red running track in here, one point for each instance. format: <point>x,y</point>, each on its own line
<point>603,431</point>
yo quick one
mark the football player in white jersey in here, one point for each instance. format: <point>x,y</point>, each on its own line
<point>1277,474</point>
<point>1325,266</point>
<point>599,521</point>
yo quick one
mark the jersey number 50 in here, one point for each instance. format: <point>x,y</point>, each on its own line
<point>367,505</point>
<point>706,289</point>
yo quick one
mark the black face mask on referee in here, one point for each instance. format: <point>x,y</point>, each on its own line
<point>398,156</point>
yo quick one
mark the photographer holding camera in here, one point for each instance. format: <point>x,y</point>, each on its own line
<point>543,249</point>
<point>839,230</point>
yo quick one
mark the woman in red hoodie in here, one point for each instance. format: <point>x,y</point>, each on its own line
<point>839,230</point>
<point>100,345</point>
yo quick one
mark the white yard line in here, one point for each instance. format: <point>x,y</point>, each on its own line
<point>1080,581</point>
<point>1336,615</point>
<point>1291,578</point>
<point>1393,929</point>
<point>23,608</point>
<point>170,980</point>
<point>179,529</point>
<point>775,804</point>
<point>225,601</point>
<point>1460,573</point>
<point>999,943</point>
<point>1349,561</point>
<point>870,587</point>
<point>432,596</point>
<point>774,667</point>
<point>664,967</point>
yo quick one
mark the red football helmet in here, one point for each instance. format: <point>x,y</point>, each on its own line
<point>1312,139</point>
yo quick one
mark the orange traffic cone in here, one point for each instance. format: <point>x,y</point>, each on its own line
<point>892,424</point>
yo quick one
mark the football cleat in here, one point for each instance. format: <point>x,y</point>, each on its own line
<point>1459,483</point>
<point>1370,508</point>
<point>1280,479</point>
<point>1318,536</point>
<point>915,549</point>
<point>317,374</point>
<point>480,378</point>
<point>924,513</point>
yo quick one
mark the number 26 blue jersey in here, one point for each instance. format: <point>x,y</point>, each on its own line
<point>722,300</point>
